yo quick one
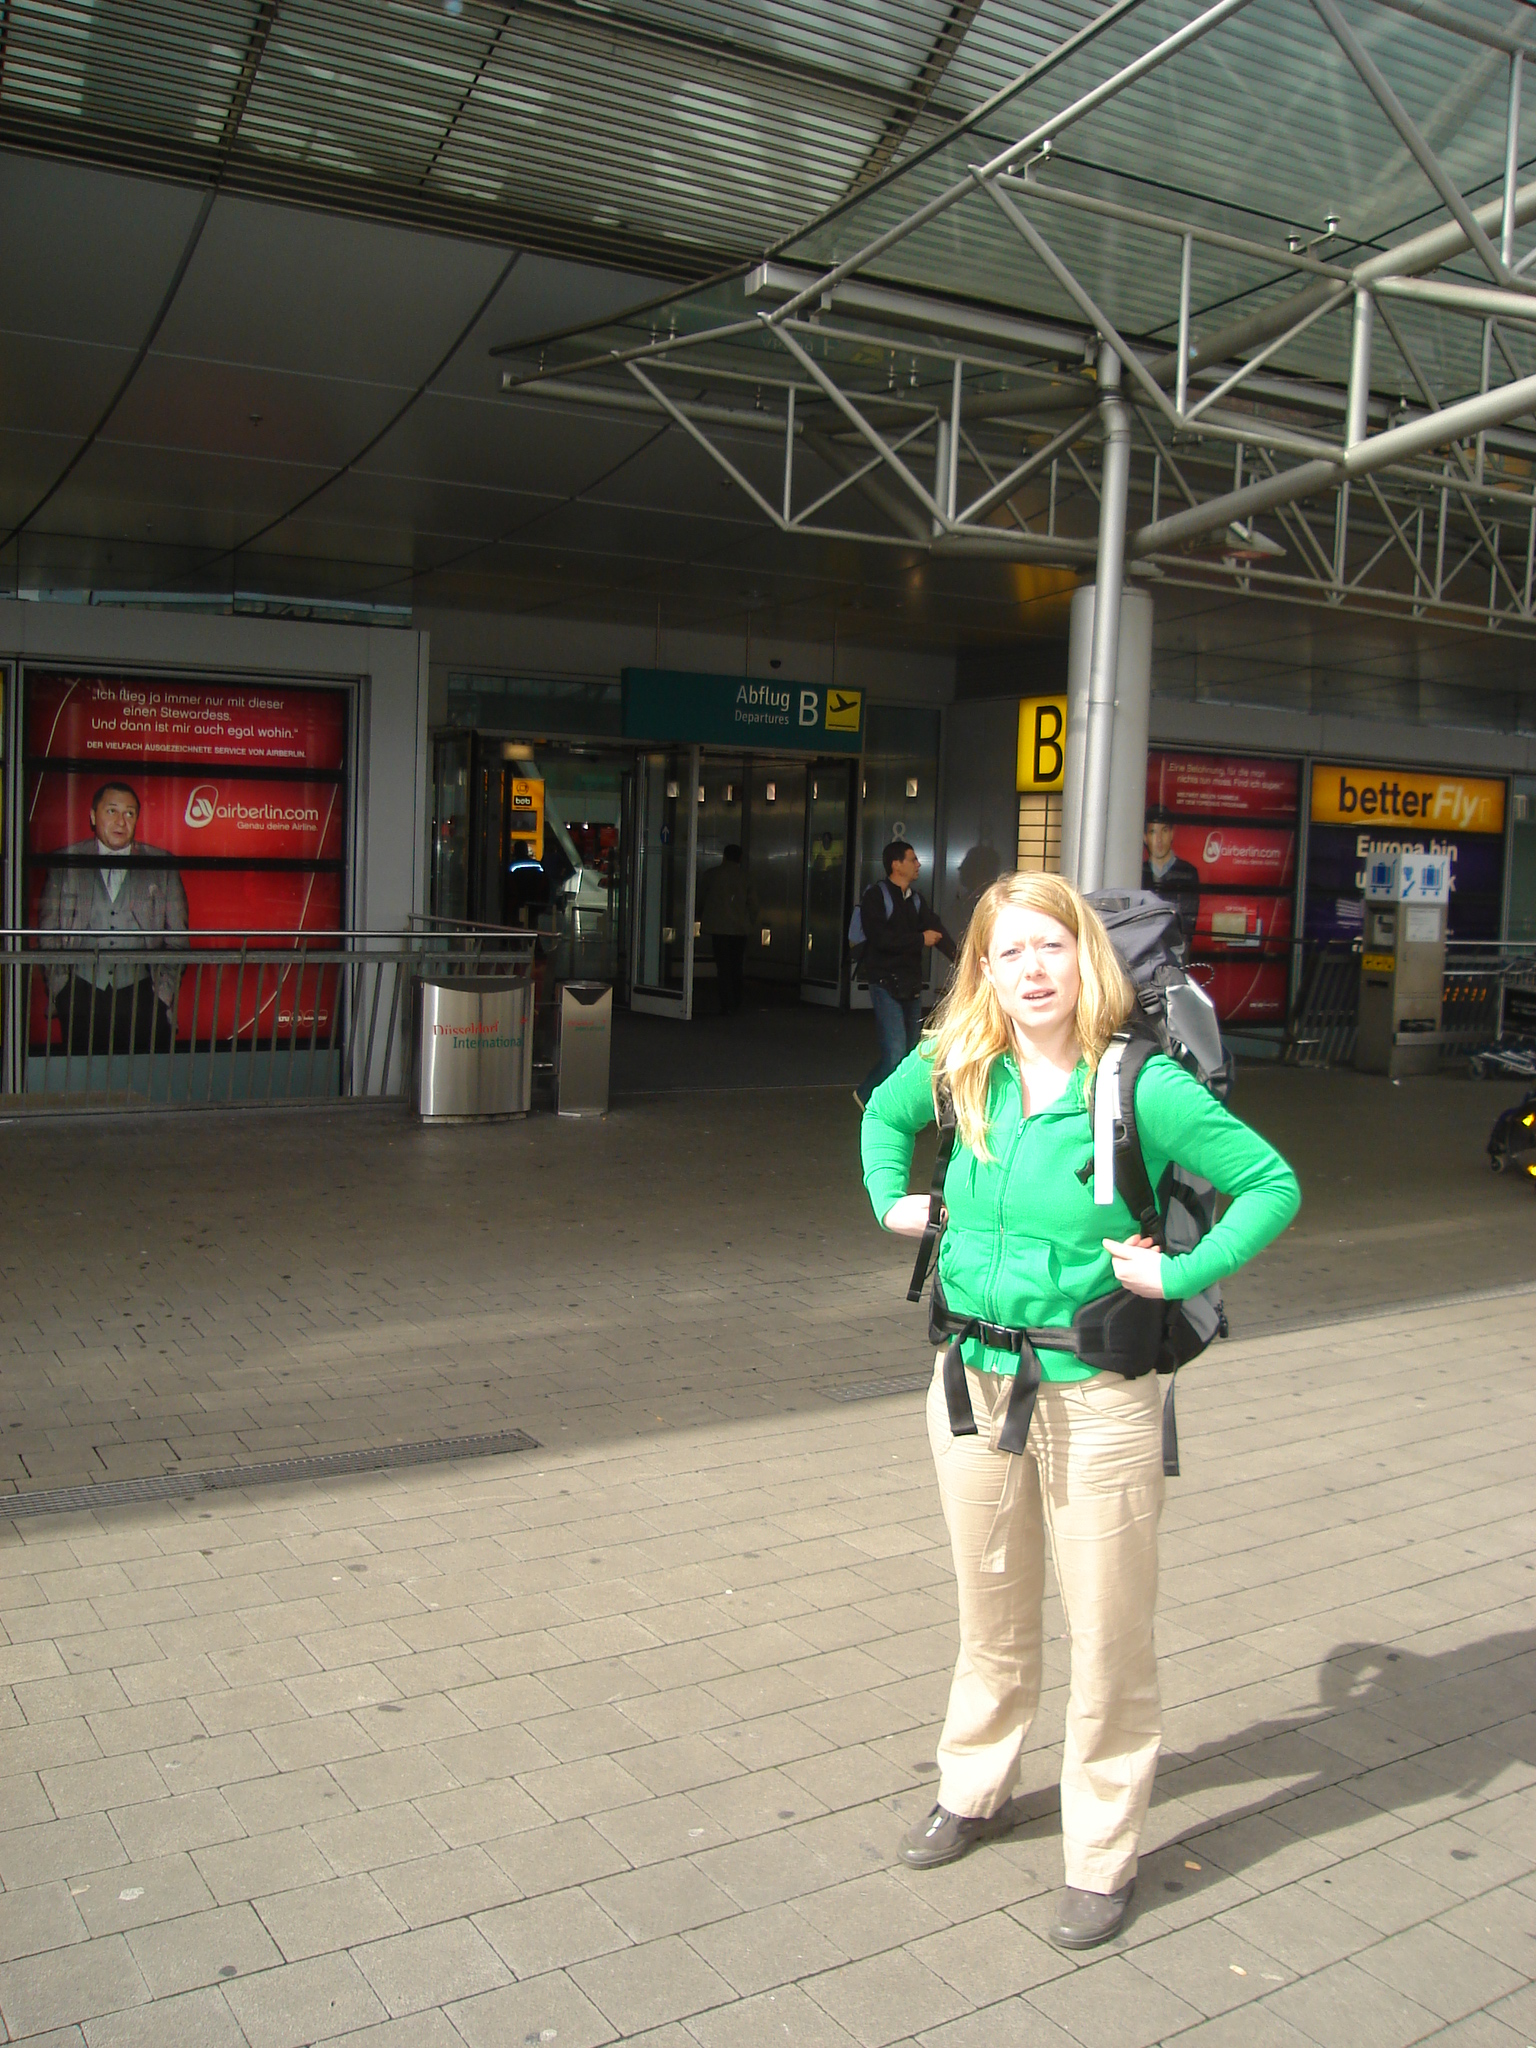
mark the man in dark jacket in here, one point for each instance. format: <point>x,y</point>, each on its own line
<point>898,929</point>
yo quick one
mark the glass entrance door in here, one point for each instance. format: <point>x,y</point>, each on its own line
<point>666,838</point>
<point>826,882</point>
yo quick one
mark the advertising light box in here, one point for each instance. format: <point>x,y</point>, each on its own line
<point>1220,847</point>
<point>196,810</point>
<point>1361,812</point>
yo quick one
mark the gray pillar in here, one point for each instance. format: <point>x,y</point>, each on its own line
<point>1098,719</point>
<point>1120,862</point>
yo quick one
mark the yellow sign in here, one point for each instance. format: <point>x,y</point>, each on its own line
<point>843,710</point>
<point>1378,963</point>
<point>1042,742</point>
<point>525,813</point>
<point>1396,799</point>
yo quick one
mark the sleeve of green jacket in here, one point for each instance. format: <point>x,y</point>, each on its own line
<point>898,1110</point>
<point>1179,1119</point>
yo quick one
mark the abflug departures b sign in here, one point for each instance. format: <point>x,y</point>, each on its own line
<point>750,712</point>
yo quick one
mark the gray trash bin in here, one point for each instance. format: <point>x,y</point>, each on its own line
<point>474,1047</point>
<point>586,1047</point>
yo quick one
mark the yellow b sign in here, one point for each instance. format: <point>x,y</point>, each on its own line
<point>1042,742</point>
<point>525,813</point>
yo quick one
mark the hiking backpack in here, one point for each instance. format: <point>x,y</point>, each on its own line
<point>1123,1332</point>
<point>857,936</point>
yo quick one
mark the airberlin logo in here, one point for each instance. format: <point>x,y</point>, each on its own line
<point>203,807</point>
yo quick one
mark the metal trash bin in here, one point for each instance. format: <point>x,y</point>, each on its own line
<point>474,1047</point>
<point>586,1047</point>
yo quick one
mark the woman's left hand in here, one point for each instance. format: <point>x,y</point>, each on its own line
<point>1138,1265</point>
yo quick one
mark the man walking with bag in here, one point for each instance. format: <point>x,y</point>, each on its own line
<point>898,927</point>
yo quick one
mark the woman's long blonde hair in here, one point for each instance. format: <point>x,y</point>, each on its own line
<point>968,1030</point>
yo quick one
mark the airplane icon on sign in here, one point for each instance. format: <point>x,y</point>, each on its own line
<point>843,707</point>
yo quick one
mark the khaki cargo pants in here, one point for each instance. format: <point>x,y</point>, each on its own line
<point>1092,1474</point>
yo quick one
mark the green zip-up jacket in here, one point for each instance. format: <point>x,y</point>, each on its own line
<point>1024,1244</point>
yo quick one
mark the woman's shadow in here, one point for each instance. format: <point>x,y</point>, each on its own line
<point>1392,1730</point>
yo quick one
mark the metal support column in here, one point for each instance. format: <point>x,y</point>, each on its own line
<point>1085,862</point>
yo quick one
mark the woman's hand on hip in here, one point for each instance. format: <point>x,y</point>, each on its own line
<point>907,1217</point>
<point>1138,1265</point>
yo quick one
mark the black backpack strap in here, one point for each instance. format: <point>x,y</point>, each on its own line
<point>934,1229</point>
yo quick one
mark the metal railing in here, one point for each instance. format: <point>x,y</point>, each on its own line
<point>1320,1030</point>
<point>221,1019</point>
<point>1489,994</point>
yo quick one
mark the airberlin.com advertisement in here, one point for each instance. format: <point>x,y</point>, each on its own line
<point>236,792</point>
<point>1221,832</point>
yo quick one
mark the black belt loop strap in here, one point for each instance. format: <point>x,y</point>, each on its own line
<point>957,1394</point>
<point>1170,1433</point>
<point>1014,1434</point>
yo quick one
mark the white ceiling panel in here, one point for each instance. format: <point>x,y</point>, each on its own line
<point>542,296</point>
<point>88,254</point>
<point>57,387</point>
<point>294,290</point>
<point>119,489</point>
<point>259,415</point>
<point>505,446</point>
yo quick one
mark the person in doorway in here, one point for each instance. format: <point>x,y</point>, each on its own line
<point>1016,1043</point>
<point>899,927</point>
<point>1165,874</point>
<point>727,914</point>
<point>108,891</point>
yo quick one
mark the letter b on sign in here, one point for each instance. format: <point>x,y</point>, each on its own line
<point>1042,743</point>
<point>810,706</point>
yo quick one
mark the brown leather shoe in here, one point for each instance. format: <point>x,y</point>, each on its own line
<point>943,1836</point>
<point>1084,1919</point>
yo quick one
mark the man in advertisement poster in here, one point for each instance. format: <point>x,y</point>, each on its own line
<point>104,895</point>
<point>1165,874</point>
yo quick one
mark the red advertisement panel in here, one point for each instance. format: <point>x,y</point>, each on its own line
<point>181,816</point>
<point>199,817</point>
<point>1223,785</point>
<point>117,719</point>
<point>1239,856</point>
<point>1244,991</point>
<point>1241,923</point>
<point>1220,847</point>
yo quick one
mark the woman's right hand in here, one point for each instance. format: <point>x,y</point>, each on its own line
<point>908,1217</point>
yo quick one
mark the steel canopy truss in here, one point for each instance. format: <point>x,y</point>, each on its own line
<point>1325,394</point>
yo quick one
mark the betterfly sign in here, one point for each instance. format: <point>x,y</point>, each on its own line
<point>754,713</point>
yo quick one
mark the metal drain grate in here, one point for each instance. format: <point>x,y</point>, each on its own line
<point>871,1390</point>
<point>114,1493</point>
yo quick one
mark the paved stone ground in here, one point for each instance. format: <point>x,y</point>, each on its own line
<point>614,1739</point>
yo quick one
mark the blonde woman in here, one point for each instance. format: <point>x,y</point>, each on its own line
<point>1037,996</point>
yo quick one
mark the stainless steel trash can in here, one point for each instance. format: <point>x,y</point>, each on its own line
<point>474,1047</point>
<point>586,1047</point>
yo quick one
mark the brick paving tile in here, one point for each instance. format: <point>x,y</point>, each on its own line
<point>784,2015</point>
<point>645,1986</point>
<point>884,1998</point>
<point>316,1919</point>
<point>1109,1999</point>
<point>192,2019</point>
<point>425,1968</point>
<point>303,2002</point>
<point>1448,1976</point>
<point>548,2008</point>
<point>1345,2007</point>
<point>550,1932</point>
<point>639,1717</point>
<point>68,1985</point>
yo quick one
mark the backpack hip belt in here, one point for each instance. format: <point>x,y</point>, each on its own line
<point>1120,1332</point>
